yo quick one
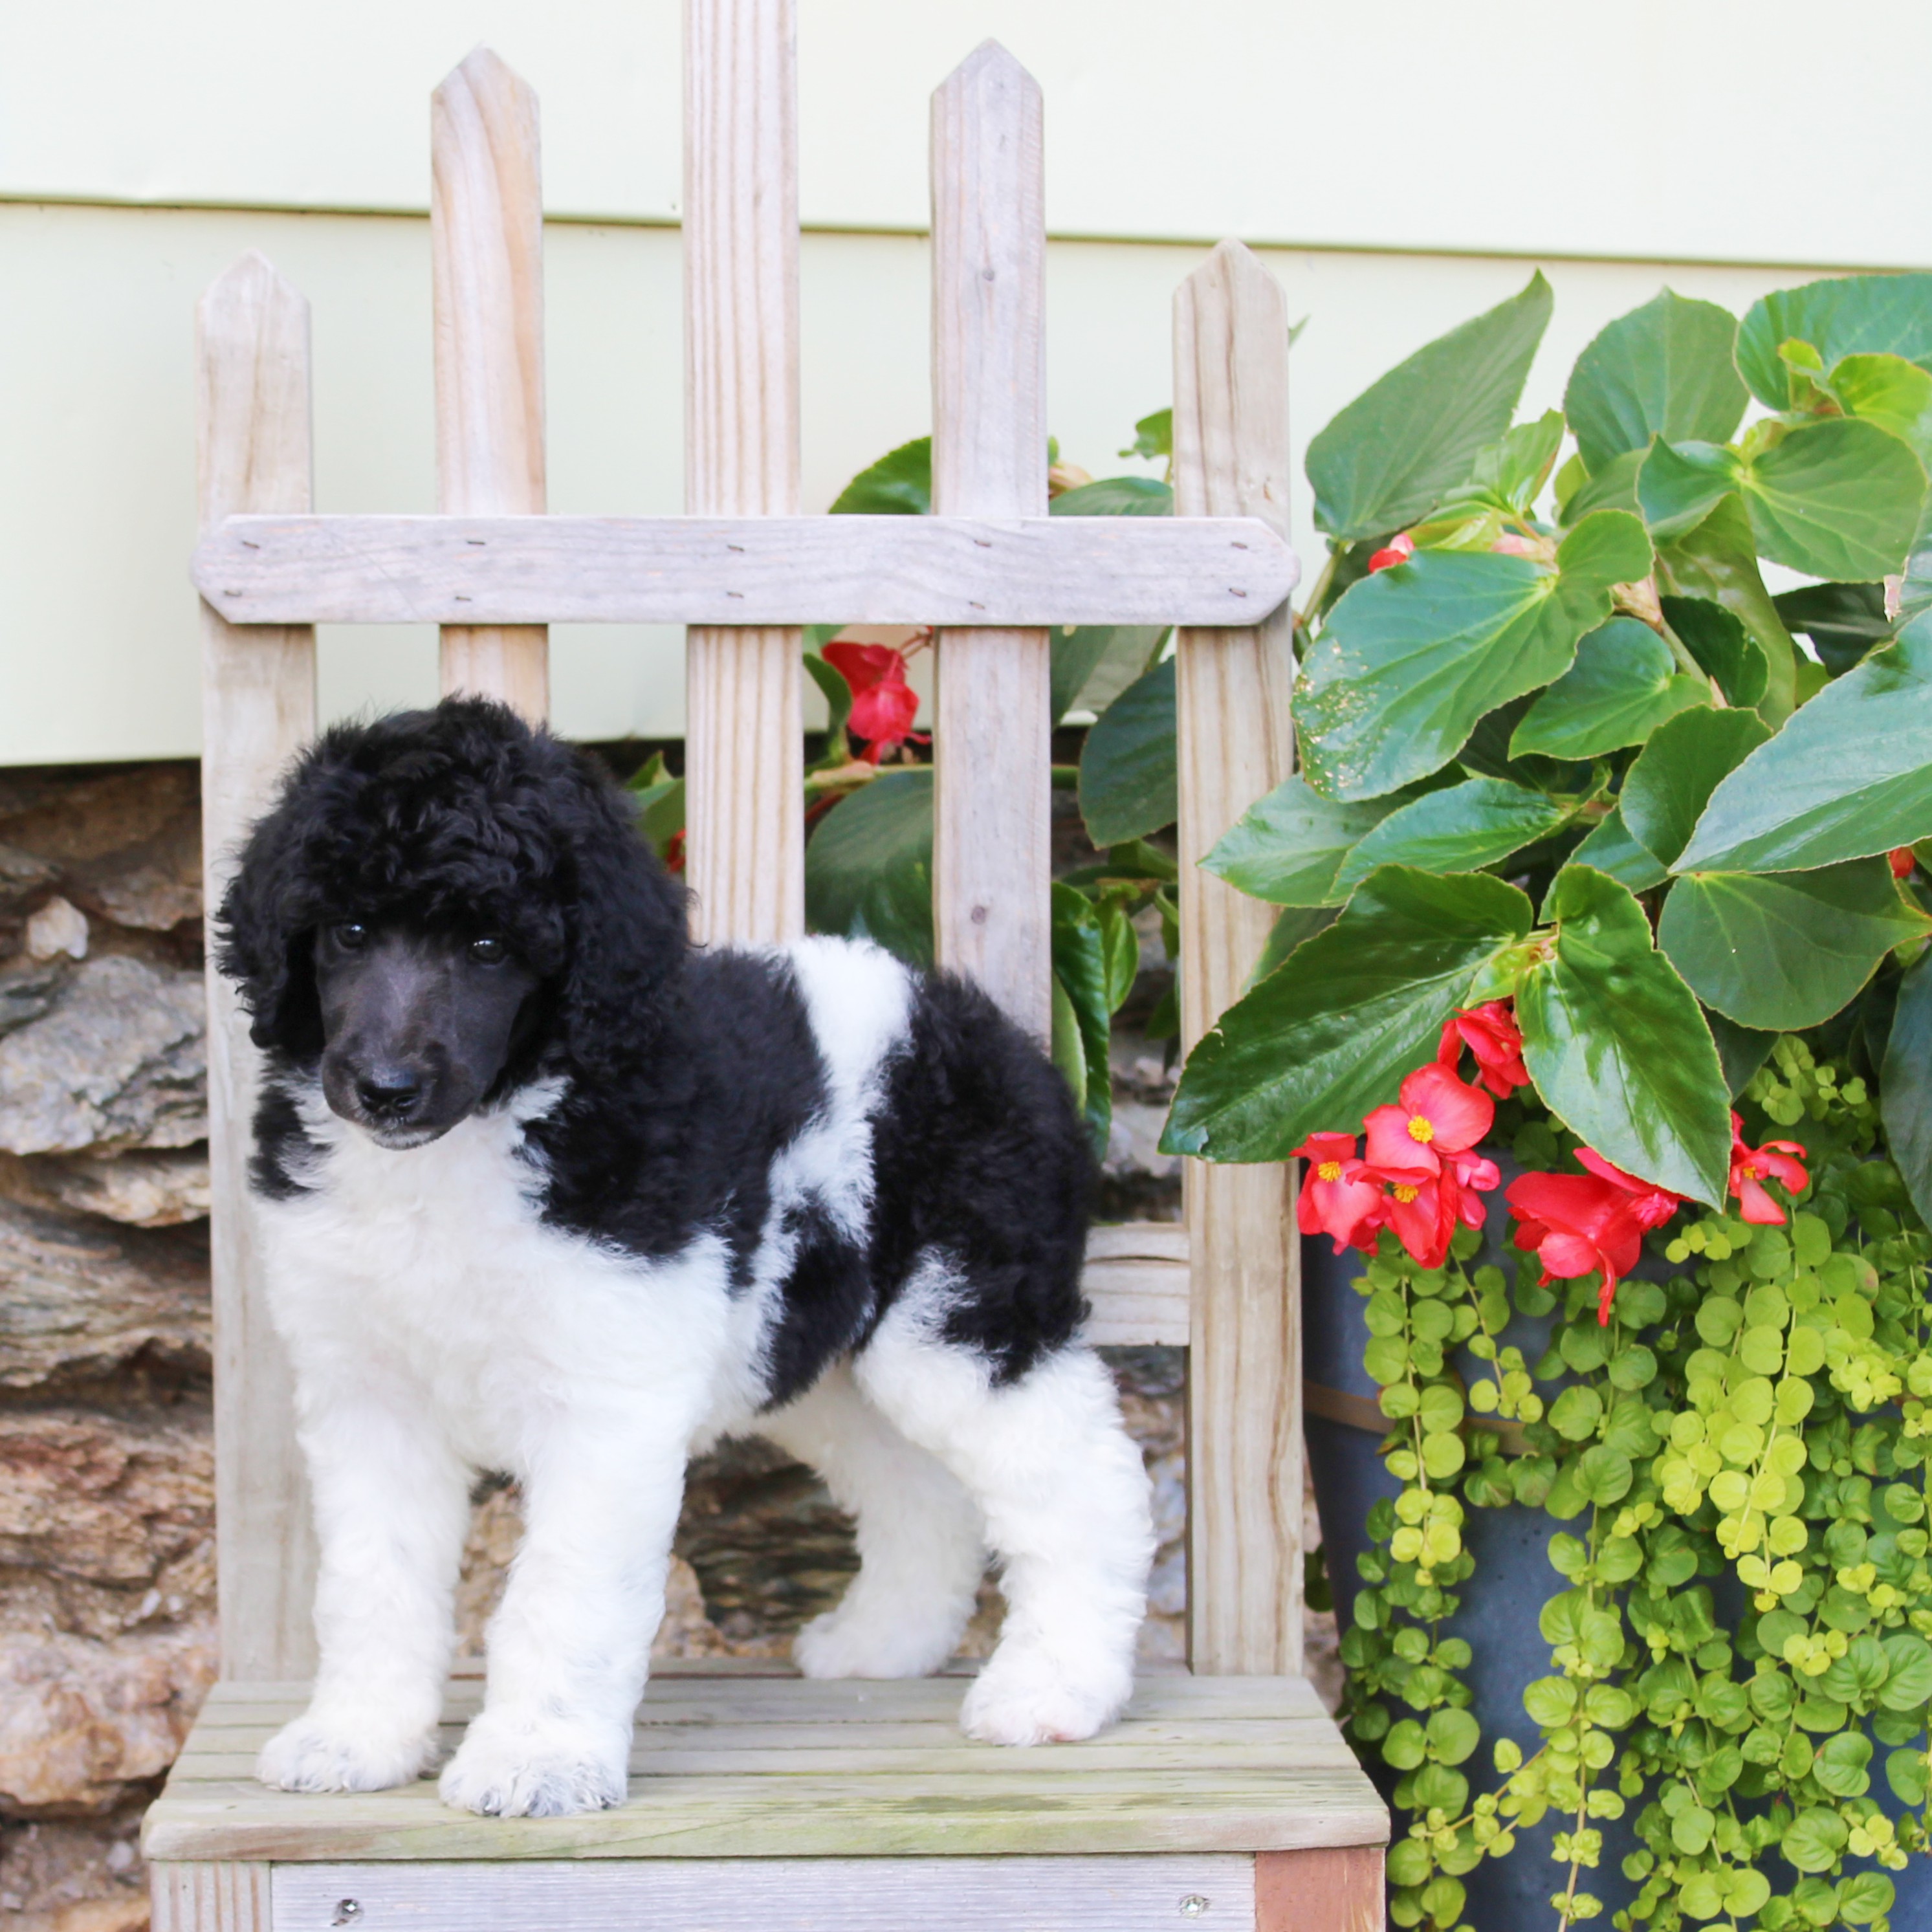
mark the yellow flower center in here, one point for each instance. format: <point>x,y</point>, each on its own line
<point>1421,1128</point>
<point>1329,1170</point>
<point>1404,1193</point>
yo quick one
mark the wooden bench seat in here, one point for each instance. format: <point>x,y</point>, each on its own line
<point>1201,1775</point>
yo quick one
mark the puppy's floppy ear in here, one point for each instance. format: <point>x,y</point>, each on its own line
<point>627,929</point>
<point>264,937</point>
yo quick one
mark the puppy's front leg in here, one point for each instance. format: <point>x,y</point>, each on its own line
<point>570,1646</point>
<point>391,1508</point>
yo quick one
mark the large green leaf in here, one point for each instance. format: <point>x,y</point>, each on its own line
<point>1611,849</point>
<point>1330,1034</point>
<point>1889,390</point>
<point>868,865</point>
<point>1836,498</point>
<point>1678,770</point>
<point>1616,1045</point>
<point>1129,782</point>
<point>1681,483</point>
<point>1905,1085</point>
<point>1080,977</point>
<point>1460,829</point>
<point>1847,315</point>
<point>899,484</point>
<point>1740,1050</point>
<point>1390,458</point>
<point>1287,848</point>
<point>1849,775</point>
<point>1718,559</point>
<point>1724,649</point>
<point>1624,684</point>
<point>1413,656</point>
<point>1080,651</point>
<point>1663,370</point>
<point>1843,621</point>
<point>1783,951</point>
<point>1613,487</point>
<point>1115,496</point>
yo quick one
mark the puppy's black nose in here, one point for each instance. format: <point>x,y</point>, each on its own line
<point>389,1093</point>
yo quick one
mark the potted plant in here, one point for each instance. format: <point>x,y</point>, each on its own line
<point>1592,872</point>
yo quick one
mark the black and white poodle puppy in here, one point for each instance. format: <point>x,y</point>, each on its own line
<point>544,1189</point>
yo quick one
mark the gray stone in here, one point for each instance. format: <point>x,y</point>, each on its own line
<point>21,875</point>
<point>28,987</point>
<point>142,1190</point>
<point>81,1722</point>
<point>80,1299</point>
<point>119,1060</point>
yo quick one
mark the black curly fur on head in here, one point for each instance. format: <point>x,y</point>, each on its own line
<point>460,819</point>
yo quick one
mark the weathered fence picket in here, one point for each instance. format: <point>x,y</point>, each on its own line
<point>801,1775</point>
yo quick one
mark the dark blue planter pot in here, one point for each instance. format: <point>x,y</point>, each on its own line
<point>1500,1603</point>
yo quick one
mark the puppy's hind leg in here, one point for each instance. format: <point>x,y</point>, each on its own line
<point>1065,1500</point>
<point>921,1543</point>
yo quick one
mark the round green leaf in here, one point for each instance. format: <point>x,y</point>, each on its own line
<point>1624,684</point>
<point>1863,1895</point>
<point>1129,782</point>
<point>1840,1765</point>
<point>1813,1839</point>
<point>1452,1734</point>
<point>1287,848</point>
<point>1550,1701</point>
<point>1116,497</point>
<point>1905,1772</point>
<point>1387,459</point>
<point>1460,829</point>
<point>1663,370</point>
<point>1676,772</point>
<point>1405,1745</point>
<point>1616,1044</point>
<point>1908,1681</point>
<point>1603,1475</point>
<point>1849,776</point>
<point>1576,1412</point>
<point>1413,657</point>
<point>1783,951</point>
<point>1330,1034</point>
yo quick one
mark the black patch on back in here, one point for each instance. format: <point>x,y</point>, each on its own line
<point>978,1152</point>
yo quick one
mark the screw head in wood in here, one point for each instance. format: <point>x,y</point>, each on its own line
<point>1192,1906</point>
<point>347,1911</point>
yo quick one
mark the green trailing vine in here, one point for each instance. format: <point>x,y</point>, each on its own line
<point>1760,1414</point>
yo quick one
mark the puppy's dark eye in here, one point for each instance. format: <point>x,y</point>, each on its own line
<point>488,952</point>
<point>350,936</point>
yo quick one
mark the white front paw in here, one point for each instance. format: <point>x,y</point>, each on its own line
<point>339,1753</point>
<point>1025,1698</point>
<point>508,1767</point>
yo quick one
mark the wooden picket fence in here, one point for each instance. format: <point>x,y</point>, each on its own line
<point>1226,1792</point>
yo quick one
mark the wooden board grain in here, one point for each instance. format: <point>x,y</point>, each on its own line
<point>486,251</point>
<point>1231,458</point>
<point>258,708</point>
<point>1136,1280</point>
<point>848,569</point>
<point>1329,1889</point>
<point>992,821</point>
<point>744,751</point>
<point>212,1897</point>
<point>1026,1894</point>
<point>773,1768</point>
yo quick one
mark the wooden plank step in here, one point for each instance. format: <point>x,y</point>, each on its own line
<point>766,1768</point>
<point>749,570</point>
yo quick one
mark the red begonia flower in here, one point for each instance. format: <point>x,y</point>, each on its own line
<point>1338,1198</point>
<point>1423,1209</point>
<point>1435,1114</point>
<point>1903,860</point>
<point>883,705</point>
<point>1577,1224</point>
<point>1780,1160</point>
<point>1652,1205</point>
<point>674,858</point>
<point>1490,1033</point>
<point>1399,549</point>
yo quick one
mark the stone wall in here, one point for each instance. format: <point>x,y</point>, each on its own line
<point>107,1636</point>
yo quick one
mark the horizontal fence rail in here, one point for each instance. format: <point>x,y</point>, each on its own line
<point>1194,571</point>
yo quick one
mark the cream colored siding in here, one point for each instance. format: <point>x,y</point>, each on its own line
<point>1317,124</point>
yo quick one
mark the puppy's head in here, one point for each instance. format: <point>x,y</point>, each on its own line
<point>440,905</point>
